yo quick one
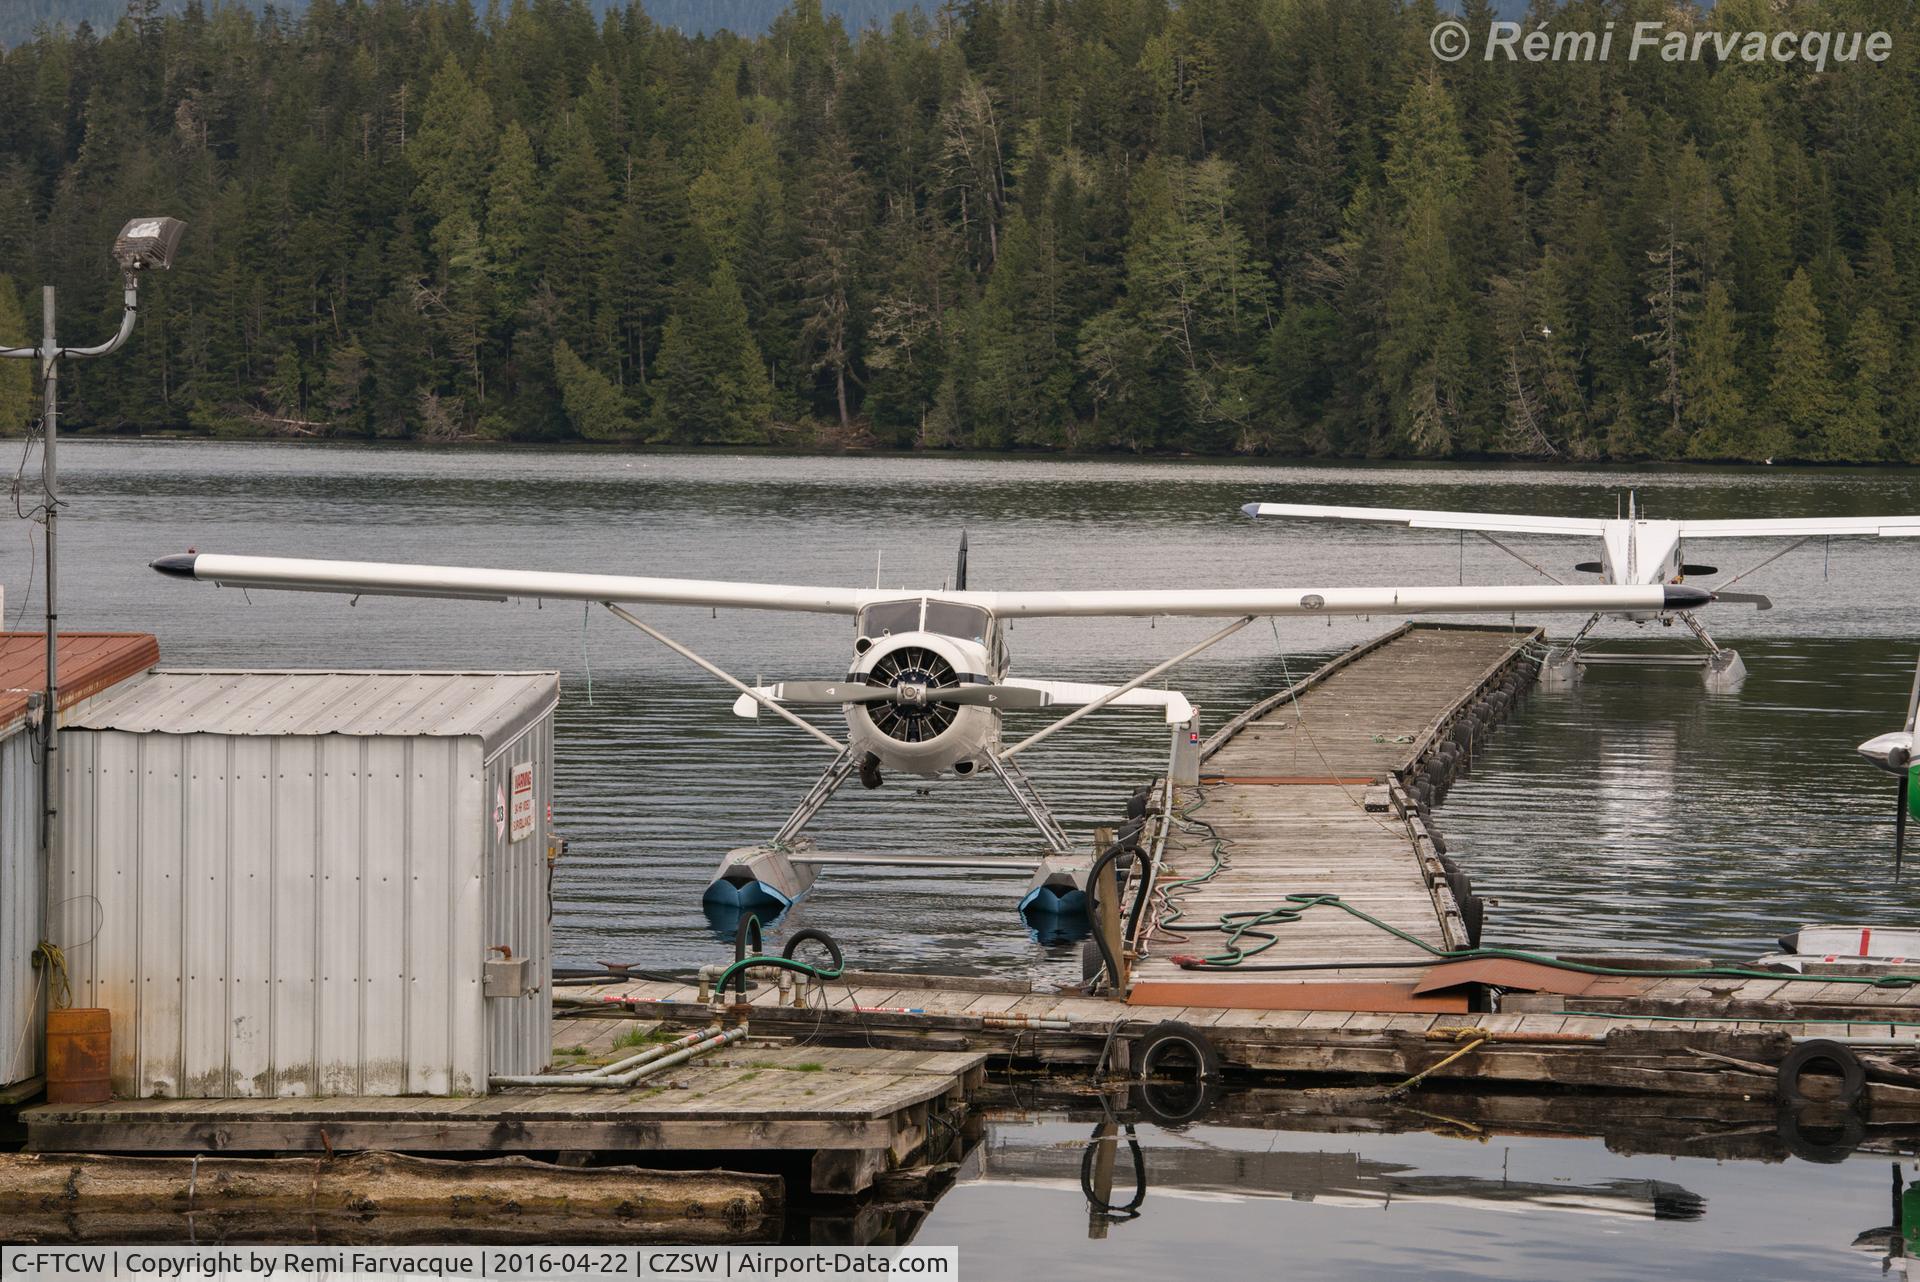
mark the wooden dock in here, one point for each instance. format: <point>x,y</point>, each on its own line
<point>1323,790</point>
<point>848,1113</point>
<point>1314,792</point>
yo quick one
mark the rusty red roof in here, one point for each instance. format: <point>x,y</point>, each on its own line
<point>89,663</point>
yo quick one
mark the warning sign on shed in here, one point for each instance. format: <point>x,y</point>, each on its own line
<point>521,810</point>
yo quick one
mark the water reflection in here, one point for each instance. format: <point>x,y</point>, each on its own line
<point>1587,1188</point>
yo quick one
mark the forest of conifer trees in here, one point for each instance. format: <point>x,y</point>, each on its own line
<point>1261,226</point>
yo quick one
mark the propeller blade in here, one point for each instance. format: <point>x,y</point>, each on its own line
<point>844,692</point>
<point>1697,570</point>
<point>834,692</point>
<point>992,696</point>
<point>1758,600</point>
<point>1913,700</point>
<point>1900,824</point>
<point>960,567</point>
<point>1590,567</point>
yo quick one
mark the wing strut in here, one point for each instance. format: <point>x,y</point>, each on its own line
<point>627,616</point>
<point>1107,698</point>
<point>1763,565</point>
<point>1523,560</point>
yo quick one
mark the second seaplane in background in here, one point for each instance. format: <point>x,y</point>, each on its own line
<point>1633,549</point>
<point>929,677</point>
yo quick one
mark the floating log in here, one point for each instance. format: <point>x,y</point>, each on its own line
<point>55,1197</point>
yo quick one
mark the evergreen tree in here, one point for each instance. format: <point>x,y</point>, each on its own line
<point>1800,394</point>
<point>18,406</point>
<point>709,385</point>
<point>595,406</point>
<point>1715,409</point>
<point>1858,431</point>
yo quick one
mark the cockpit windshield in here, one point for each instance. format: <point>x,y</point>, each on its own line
<point>968,621</point>
<point>889,617</point>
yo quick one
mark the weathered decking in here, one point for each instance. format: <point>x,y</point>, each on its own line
<point>853,1111</point>
<point>1286,793</point>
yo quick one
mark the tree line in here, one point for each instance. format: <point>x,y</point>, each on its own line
<point>1253,226</point>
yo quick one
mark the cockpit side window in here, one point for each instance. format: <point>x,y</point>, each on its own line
<point>968,621</point>
<point>890,617</point>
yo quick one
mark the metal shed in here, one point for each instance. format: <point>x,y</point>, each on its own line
<point>90,662</point>
<point>300,878</point>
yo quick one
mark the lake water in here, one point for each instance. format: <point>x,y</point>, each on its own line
<point>1637,812</point>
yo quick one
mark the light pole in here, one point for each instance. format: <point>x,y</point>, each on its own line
<point>142,243</point>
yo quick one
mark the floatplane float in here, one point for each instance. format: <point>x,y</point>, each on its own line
<point>1633,549</point>
<point>929,680</point>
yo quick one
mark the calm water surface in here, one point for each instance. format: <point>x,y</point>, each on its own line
<point>1635,813</point>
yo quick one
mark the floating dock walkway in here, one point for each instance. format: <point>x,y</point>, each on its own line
<point>1305,794</point>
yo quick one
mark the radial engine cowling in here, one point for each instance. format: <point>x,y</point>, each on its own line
<point>918,733</point>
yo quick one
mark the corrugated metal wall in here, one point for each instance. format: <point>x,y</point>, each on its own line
<point>295,915</point>
<point>22,899</point>
<point>518,912</point>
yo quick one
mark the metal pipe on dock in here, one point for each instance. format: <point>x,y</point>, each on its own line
<point>690,1046</point>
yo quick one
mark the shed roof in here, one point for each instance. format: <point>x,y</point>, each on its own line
<point>496,707</point>
<point>89,663</point>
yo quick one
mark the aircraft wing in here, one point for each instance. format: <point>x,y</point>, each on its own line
<point>1078,693</point>
<point>1421,519</point>
<point>1801,527</point>
<point>376,578</point>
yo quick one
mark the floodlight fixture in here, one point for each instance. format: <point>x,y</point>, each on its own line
<point>148,242</point>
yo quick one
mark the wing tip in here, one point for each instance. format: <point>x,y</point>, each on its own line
<point>179,565</point>
<point>1681,597</point>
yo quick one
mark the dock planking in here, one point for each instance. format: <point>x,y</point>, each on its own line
<point>1285,792</point>
<point>853,1112</point>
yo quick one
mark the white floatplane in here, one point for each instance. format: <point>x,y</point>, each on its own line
<point>1633,549</point>
<point>929,676</point>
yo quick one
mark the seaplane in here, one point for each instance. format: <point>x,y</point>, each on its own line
<point>1634,549</point>
<point>928,681</point>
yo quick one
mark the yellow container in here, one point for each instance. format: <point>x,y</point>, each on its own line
<point>79,1042</point>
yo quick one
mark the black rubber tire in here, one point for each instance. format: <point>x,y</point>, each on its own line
<point>1473,913</point>
<point>1169,1034</point>
<point>1821,1143</point>
<point>1853,1078</point>
<point>1172,1108</point>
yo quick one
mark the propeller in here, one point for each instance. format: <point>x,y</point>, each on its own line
<point>844,692</point>
<point>1901,758</point>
